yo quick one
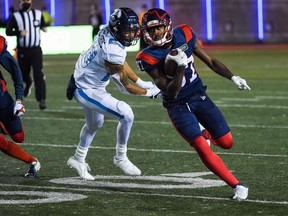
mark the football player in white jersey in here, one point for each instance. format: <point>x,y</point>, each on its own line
<point>103,61</point>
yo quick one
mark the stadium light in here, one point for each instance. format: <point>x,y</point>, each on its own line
<point>260,19</point>
<point>6,9</point>
<point>107,10</point>
<point>209,20</point>
<point>161,4</point>
<point>52,8</point>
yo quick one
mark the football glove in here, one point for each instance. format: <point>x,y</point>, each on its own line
<point>144,84</point>
<point>19,108</point>
<point>180,58</point>
<point>241,83</point>
<point>153,92</point>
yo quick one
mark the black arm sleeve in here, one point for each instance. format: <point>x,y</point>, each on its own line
<point>12,27</point>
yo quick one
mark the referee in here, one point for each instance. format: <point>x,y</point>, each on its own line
<point>26,25</point>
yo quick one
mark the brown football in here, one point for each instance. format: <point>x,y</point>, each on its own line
<point>170,66</point>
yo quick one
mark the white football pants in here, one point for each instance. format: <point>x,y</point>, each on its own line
<point>97,104</point>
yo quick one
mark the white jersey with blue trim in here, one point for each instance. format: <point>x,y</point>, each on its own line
<point>90,70</point>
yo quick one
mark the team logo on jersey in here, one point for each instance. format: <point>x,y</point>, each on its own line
<point>184,47</point>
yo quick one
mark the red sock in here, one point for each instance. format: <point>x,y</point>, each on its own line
<point>14,150</point>
<point>213,162</point>
<point>3,143</point>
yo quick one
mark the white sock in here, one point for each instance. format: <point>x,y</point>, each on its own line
<point>121,151</point>
<point>81,153</point>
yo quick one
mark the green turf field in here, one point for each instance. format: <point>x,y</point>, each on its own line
<point>174,181</point>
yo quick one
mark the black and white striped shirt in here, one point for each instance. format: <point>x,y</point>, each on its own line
<point>32,21</point>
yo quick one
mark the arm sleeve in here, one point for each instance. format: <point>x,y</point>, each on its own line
<point>12,27</point>
<point>9,64</point>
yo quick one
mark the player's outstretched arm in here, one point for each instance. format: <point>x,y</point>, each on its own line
<point>218,67</point>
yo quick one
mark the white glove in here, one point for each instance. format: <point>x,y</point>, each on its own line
<point>153,92</point>
<point>144,84</point>
<point>180,58</point>
<point>241,83</point>
<point>19,108</point>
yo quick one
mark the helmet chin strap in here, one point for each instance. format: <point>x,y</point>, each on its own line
<point>162,41</point>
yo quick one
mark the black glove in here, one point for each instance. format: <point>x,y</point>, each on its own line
<point>71,88</point>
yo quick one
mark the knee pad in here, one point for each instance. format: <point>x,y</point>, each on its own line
<point>126,111</point>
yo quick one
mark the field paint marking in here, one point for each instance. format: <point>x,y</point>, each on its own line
<point>144,105</point>
<point>151,122</point>
<point>153,150</point>
<point>141,194</point>
<point>48,197</point>
<point>189,181</point>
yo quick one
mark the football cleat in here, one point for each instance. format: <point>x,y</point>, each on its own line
<point>240,192</point>
<point>34,167</point>
<point>42,105</point>
<point>127,166</point>
<point>81,168</point>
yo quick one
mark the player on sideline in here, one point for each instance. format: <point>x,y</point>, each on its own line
<point>184,96</point>
<point>103,61</point>
<point>10,112</point>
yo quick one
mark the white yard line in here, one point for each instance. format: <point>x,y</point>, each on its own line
<point>69,188</point>
<point>152,122</point>
<point>154,150</point>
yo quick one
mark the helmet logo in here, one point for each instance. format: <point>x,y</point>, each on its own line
<point>157,14</point>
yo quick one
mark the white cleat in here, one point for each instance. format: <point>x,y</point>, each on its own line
<point>127,166</point>
<point>81,168</point>
<point>240,192</point>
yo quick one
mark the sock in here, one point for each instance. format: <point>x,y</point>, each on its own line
<point>81,153</point>
<point>14,150</point>
<point>121,151</point>
<point>213,162</point>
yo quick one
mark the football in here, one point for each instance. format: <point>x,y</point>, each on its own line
<point>170,66</point>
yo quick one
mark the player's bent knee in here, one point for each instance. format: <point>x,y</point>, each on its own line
<point>18,137</point>
<point>226,141</point>
<point>126,111</point>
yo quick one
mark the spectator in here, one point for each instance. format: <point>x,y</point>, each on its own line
<point>95,19</point>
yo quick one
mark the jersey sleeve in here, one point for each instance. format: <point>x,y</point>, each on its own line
<point>3,44</point>
<point>11,66</point>
<point>189,34</point>
<point>146,62</point>
<point>115,53</point>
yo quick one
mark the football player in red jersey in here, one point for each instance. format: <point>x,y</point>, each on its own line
<point>184,95</point>
<point>10,112</point>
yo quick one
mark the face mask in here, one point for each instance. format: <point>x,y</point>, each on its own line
<point>25,6</point>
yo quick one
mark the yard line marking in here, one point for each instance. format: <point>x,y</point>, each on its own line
<point>142,194</point>
<point>154,150</point>
<point>152,122</point>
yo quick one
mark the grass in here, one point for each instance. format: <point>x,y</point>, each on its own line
<point>258,120</point>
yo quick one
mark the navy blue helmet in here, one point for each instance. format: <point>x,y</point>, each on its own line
<point>124,26</point>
